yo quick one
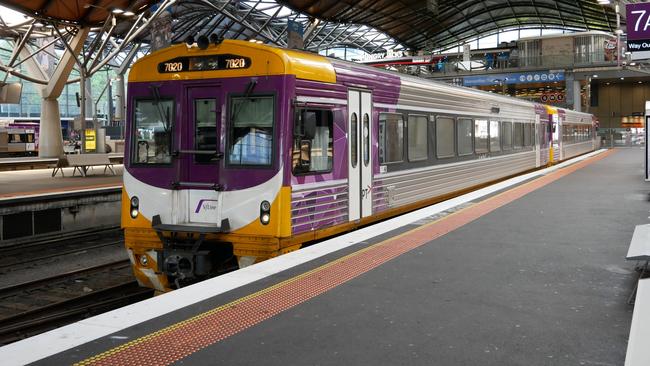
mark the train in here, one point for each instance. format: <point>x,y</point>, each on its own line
<point>237,152</point>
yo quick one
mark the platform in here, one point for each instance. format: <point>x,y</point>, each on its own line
<point>23,183</point>
<point>530,271</point>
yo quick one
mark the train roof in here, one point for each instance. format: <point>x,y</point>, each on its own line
<point>265,61</point>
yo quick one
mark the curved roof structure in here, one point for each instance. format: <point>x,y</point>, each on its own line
<point>82,12</point>
<point>426,24</point>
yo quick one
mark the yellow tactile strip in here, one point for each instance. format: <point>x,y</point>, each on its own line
<point>177,341</point>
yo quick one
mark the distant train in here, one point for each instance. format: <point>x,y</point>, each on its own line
<point>239,152</point>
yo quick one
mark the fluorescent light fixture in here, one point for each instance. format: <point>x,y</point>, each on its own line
<point>117,11</point>
<point>595,76</point>
<point>129,13</point>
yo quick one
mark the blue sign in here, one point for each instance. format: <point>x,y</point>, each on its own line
<point>514,78</point>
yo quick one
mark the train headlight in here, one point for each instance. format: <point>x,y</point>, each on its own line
<point>265,212</point>
<point>265,206</point>
<point>144,260</point>
<point>135,206</point>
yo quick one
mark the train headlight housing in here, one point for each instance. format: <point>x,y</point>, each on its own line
<point>144,260</point>
<point>135,206</point>
<point>265,212</point>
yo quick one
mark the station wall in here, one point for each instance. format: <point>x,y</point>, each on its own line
<point>617,100</point>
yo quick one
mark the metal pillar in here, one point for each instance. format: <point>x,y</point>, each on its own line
<point>577,97</point>
<point>50,137</point>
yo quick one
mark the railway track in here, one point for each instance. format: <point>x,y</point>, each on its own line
<point>34,307</point>
<point>69,244</point>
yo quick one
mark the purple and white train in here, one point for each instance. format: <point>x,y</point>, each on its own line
<point>239,152</point>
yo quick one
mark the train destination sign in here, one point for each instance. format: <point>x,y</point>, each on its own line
<point>204,63</point>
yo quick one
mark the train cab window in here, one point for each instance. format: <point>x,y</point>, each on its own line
<point>391,138</point>
<point>464,136</point>
<point>251,131</point>
<point>527,139</point>
<point>495,136</point>
<point>518,135</point>
<point>417,138</point>
<point>506,136</point>
<point>153,131</point>
<point>205,125</point>
<point>445,137</point>
<point>312,154</point>
<point>481,136</point>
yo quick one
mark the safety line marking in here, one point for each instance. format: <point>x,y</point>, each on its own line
<point>182,339</point>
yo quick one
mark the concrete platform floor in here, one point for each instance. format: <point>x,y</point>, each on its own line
<point>541,280</point>
<point>39,181</point>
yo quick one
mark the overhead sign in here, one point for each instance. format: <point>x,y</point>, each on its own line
<point>638,27</point>
<point>514,78</point>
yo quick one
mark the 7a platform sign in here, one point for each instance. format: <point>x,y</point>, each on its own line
<point>638,27</point>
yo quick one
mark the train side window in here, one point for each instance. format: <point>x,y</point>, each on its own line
<point>391,138</point>
<point>445,137</point>
<point>465,126</point>
<point>518,135</point>
<point>417,138</point>
<point>506,135</point>
<point>153,131</point>
<point>481,136</point>
<point>313,154</point>
<point>527,134</point>
<point>495,136</point>
<point>251,130</point>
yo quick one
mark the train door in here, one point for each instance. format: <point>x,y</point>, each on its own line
<point>199,154</point>
<point>359,154</point>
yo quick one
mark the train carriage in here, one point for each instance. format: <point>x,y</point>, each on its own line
<point>238,152</point>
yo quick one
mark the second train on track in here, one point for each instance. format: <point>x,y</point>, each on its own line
<point>239,152</point>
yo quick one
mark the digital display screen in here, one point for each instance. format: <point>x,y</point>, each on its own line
<point>204,63</point>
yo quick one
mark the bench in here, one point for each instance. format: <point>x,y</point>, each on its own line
<point>82,162</point>
<point>639,251</point>
<point>638,353</point>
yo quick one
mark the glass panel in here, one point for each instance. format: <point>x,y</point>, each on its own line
<point>354,149</point>
<point>391,138</point>
<point>495,140</point>
<point>481,136</point>
<point>527,129</point>
<point>321,153</point>
<point>251,131</point>
<point>366,139</point>
<point>518,135</point>
<point>506,135</point>
<point>445,137</point>
<point>465,136</point>
<point>153,131</point>
<point>205,124</point>
<point>417,138</point>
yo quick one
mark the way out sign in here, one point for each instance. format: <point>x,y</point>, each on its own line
<point>638,27</point>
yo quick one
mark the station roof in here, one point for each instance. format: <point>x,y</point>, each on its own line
<point>431,24</point>
<point>83,12</point>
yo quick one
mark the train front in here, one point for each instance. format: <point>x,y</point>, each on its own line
<point>205,190</point>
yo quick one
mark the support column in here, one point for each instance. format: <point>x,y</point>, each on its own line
<point>572,87</point>
<point>577,97</point>
<point>50,137</point>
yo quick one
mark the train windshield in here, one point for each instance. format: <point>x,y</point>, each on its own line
<point>153,131</point>
<point>251,131</point>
